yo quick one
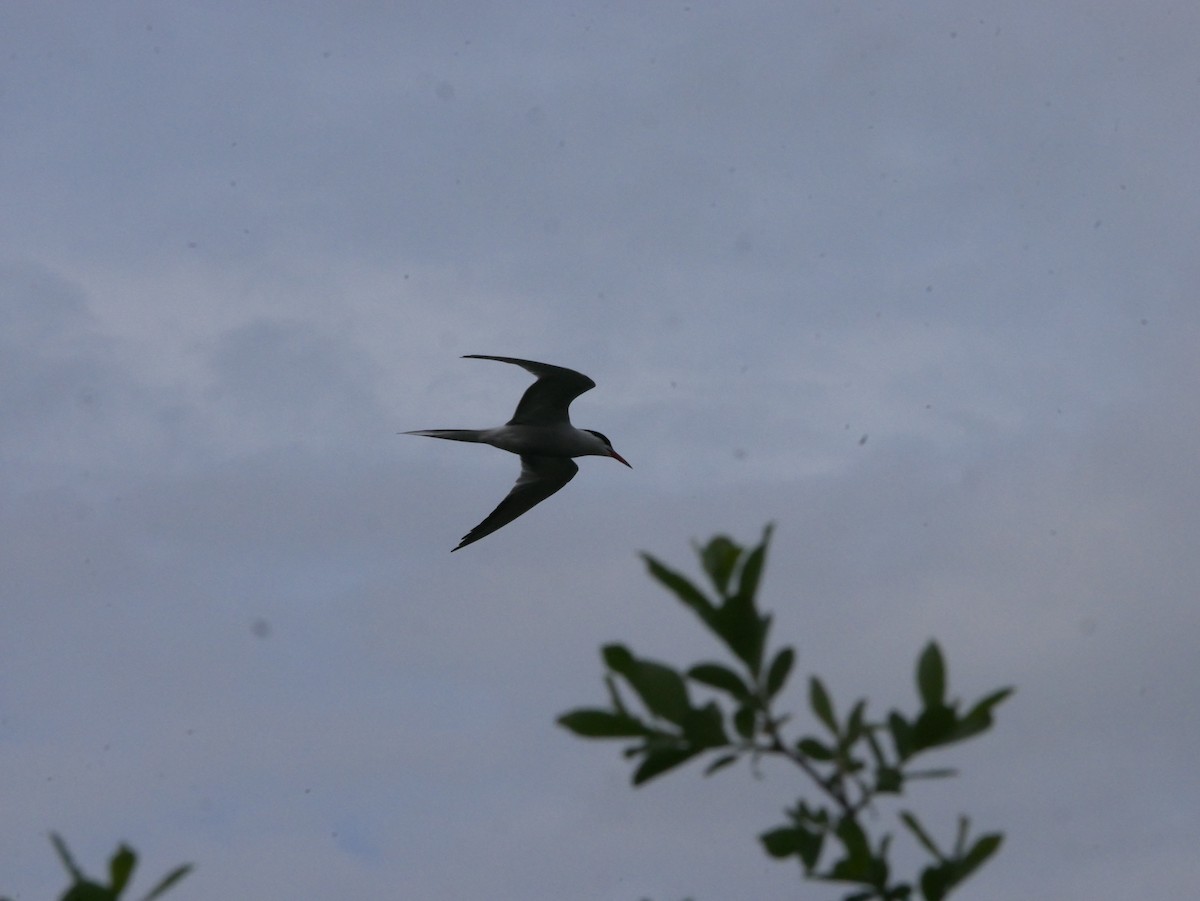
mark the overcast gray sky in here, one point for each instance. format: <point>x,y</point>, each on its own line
<point>242,245</point>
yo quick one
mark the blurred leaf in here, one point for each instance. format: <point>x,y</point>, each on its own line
<point>901,735</point>
<point>682,588</point>
<point>934,882</point>
<point>979,853</point>
<point>720,763</point>
<point>120,868</point>
<point>593,723</point>
<point>876,750</point>
<point>855,725</point>
<point>931,676</point>
<point>65,856</point>
<point>720,677</point>
<point>719,557</point>
<point>937,880</point>
<point>704,727</point>
<point>858,864</point>
<point>787,841</point>
<point>780,669</point>
<point>851,835</point>
<point>960,841</point>
<point>738,622</point>
<point>810,747</point>
<point>914,826</point>
<point>935,726</point>
<point>744,721</point>
<point>617,657</point>
<point>781,842</point>
<point>661,688</point>
<point>744,633</point>
<point>167,881</point>
<point>84,890</point>
<point>818,699</point>
<point>660,761</point>
<point>888,780</point>
<point>752,570</point>
<point>979,718</point>
<point>610,684</point>
<point>939,773</point>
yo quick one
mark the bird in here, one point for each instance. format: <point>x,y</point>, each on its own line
<point>540,432</point>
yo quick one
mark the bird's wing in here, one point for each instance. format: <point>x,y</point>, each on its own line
<point>545,402</point>
<point>540,477</point>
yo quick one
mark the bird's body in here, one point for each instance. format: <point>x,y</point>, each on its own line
<point>541,433</point>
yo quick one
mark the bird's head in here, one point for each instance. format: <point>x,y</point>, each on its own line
<point>608,448</point>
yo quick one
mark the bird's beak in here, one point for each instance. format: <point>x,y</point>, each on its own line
<point>612,453</point>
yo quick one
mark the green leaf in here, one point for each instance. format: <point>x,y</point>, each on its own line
<point>818,699</point>
<point>682,588</point>
<point>931,676</point>
<point>855,725</point>
<point>914,826</point>
<point>752,570</point>
<point>979,853</point>
<point>704,727</point>
<point>937,880</point>
<point>744,632</point>
<point>744,721</point>
<point>719,558</point>
<point>65,856</point>
<point>617,657</point>
<point>781,842</point>
<point>889,780</point>
<point>851,835</point>
<point>788,841</point>
<point>167,881</point>
<point>720,763</point>
<point>935,726</point>
<point>660,761</point>
<point>779,670</point>
<point>120,868</point>
<point>934,882</point>
<point>901,735</point>
<point>720,677</point>
<point>661,688</point>
<point>88,891</point>
<point>979,718</point>
<point>593,723</point>
<point>810,848</point>
<point>858,864</point>
<point>810,747</point>
<point>610,685</point>
<point>960,841</point>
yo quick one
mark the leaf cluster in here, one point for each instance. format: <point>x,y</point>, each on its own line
<point>727,712</point>
<point>120,871</point>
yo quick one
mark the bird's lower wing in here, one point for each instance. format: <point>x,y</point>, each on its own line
<point>540,477</point>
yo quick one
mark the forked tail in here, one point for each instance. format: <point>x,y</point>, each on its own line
<point>450,434</point>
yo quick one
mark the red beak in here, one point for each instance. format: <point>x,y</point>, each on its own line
<point>612,453</point>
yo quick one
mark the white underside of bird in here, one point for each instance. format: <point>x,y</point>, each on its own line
<point>541,433</point>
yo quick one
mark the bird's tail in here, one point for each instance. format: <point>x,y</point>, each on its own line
<point>451,434</point>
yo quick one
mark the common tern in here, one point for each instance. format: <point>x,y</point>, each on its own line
<point>541,433</point>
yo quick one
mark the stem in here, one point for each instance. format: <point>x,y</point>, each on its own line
<point>832,787</point>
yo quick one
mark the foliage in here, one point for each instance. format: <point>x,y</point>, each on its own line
<point>120,872</point>
<point>850,758</point>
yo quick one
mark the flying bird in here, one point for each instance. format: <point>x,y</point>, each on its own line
<point>541,433</point>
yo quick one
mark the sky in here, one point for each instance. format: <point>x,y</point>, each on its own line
<point>917,282</point>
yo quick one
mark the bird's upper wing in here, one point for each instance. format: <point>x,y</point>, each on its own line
<point>540,477</point>
<point>545,402</point>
